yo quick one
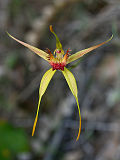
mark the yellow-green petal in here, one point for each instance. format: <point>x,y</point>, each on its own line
<point>84,51</point>
<point>43,86</point>
<point>73,87</point>
<point>39,52</point>
<point>58,44</point>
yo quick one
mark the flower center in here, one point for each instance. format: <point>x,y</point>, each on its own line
<point>58,51</point>
<point>58,62</point>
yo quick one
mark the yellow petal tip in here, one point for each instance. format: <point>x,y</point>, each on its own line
<point>51,28</point>
<point>79,132</point>
<point>111,37</point>
<point>8,34</point>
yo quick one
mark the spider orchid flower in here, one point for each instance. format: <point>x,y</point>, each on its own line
<point>58,61</point>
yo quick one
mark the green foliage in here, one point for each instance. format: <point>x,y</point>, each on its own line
<point>11,61</point>
<point>12,141</point>
<point>15,7</point>
<point>3,102</point>
<point>113,97</point>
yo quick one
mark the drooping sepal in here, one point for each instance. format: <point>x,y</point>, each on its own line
<point>39,52</point>
<point>73,87</point>
<point>43,86</point>
<point>85,51</point>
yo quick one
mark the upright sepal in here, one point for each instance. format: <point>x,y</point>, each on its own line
<point>43,86</point>
<point>58,44</point>
<point>39,52</point>
<point>84,51</point>
<point>73,87</point>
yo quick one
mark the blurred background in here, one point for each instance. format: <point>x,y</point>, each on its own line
<point>79,24</point>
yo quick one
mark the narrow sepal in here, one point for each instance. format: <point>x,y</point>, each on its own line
<point>85,51</point>
<point>73,87</point>
<point>39,52</point>
<point>43,86</point>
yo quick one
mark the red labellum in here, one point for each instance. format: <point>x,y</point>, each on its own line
<point>57,66</point>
